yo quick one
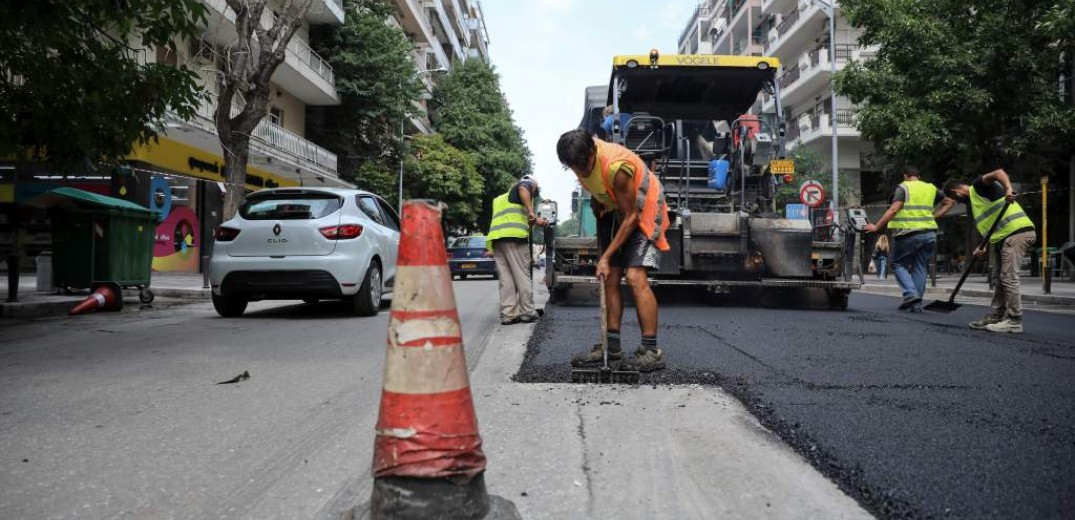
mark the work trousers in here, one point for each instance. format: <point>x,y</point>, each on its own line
<point>910,262</point>
<point>516,287</point>
<point>1010,251</point>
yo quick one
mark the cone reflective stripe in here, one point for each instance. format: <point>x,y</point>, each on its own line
<point>426,427</point>
<point>103,297</point>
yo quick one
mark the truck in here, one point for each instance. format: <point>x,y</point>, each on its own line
<point>688,117</point>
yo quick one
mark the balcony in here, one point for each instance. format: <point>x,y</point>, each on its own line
<point>326,12</point>
<point>303,74</point>
<point>273,141</point>
<point>816,125</point>
<point>787,40</point>
<point>811,75</point>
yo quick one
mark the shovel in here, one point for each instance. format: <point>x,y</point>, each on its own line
<point>604,373</point>
<point>951,305</point>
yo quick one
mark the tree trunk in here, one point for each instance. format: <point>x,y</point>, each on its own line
<point>236,157</point>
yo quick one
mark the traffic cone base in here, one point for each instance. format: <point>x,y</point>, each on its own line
<point>427,460</point>
<point>104,297</point>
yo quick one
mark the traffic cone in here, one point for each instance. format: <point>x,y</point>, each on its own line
<point>104,297</point>
<point>427,456</point>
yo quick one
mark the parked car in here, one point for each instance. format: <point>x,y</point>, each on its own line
<point>305,244</point>
<point>467,256</point>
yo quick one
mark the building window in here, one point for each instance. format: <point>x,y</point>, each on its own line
<point>276,116</point>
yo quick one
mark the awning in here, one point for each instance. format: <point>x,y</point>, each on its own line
<point>72,199</point>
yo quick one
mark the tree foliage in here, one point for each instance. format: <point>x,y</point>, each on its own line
<point>76,86</point>
<point>438,170</point>
<point>810,166</point>
<point>248,66</point>
<point>376,82</point>
<point>963,86</point>
<point>470,111</point>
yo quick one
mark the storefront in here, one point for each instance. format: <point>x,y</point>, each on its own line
<point>183,183</point>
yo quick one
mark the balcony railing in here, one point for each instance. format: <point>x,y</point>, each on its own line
<point>316,64</point>
<point>790,19</point>
<point>846,118</point>
<point>790,76</point>
<point>274,135</point>
<point>792,131</point>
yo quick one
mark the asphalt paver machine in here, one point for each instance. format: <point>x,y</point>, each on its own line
<point>688,117</point>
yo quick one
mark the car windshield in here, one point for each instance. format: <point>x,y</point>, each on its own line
<point>290,207</point>
<point>468,242</point>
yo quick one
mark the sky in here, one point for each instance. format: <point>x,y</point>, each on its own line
<point>548,51</point>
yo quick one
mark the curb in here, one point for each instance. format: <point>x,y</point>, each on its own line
<point>944,292</point>
<point>42,309</point>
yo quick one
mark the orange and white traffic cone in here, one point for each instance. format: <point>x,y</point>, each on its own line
<point>427,460</point>
<point>104,297</point>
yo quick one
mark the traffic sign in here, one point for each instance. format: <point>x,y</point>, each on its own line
<point>812,193</point>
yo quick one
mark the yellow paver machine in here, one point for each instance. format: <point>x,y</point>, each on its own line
<point>688,117</point>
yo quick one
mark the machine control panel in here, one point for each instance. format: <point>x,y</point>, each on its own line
<point>856,217</point>
<point>547,210</point>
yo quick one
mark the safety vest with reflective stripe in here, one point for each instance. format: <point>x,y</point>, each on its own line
<point>917,210</point>
<point>652,208</point>
<point>986,211</point>
<point>509,221</point>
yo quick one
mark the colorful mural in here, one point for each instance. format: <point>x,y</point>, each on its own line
<point>176,241</point>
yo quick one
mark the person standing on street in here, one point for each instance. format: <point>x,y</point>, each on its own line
<point>632,219</point>
<point>509,240</point>
<point>914,235</point>
<point>1014,235</point>
<point>880,256</point>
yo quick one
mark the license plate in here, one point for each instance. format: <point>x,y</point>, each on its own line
<point>469,266</point>
<point>782,166</point>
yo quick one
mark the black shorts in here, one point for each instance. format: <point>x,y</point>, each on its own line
<point>638,251</point>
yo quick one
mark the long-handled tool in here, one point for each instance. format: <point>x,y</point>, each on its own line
<point>604,373</point>
<point>951,305</point>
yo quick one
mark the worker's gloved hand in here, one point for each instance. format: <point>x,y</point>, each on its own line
<point>541,222</point>
<point>980,251</point>
<point>1011,195</point>
<point>870,228</point>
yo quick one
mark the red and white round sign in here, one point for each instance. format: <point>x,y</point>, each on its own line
<point>812,193</point>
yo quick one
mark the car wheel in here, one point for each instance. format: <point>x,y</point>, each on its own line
<point>368,299</point>
<point>229,306</point>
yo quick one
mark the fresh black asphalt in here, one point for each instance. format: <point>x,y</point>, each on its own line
<point>913,415</point>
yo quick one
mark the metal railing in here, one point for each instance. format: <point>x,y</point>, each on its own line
<point>273,135</point>
<point>790,76</point>
<point>315,63</point>
<point>790,19</point>
<point>793,131</point>
<point>846,118</point>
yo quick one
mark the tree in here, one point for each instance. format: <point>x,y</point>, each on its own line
<point>249,64</point>
<point>568,227</point>
<point>809,166</point>
<point>960,87</point>
<point>438,170</point>
<point>76,88</point>
<point>470,111</point>
<point>376,82</point>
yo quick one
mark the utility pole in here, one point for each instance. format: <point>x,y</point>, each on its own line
<point>830,10</point>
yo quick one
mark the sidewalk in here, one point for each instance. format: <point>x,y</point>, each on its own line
<point>34,304</point>
<point>1062,291</point>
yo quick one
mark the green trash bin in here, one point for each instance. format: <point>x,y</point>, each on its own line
<point>99,240</point>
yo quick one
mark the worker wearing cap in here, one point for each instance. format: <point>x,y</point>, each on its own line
<point>509,240</point>
<point>914,235</point>
<point>632,221</point>
<point>1011,239</point>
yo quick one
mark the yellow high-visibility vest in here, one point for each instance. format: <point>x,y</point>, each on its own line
<point>509,221</point>
<point>917,210</point>
<point>986,211</point>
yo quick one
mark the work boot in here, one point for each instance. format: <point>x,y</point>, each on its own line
<point>910,303</point>
<point>986,321</point>
<point>1010,325</point>
<point>595,356</point>
<point>509,321</point>
<point>644,360</point>
<point>528,318</point>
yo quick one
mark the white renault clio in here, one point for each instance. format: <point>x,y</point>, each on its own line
<point>305,244</point>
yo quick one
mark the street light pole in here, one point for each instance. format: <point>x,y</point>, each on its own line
<point>402,120</point>
<point>829,9</point>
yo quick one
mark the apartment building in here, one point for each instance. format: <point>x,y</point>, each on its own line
<point>796,32</point>
<point>181,174</point>
<point>443,32</point>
